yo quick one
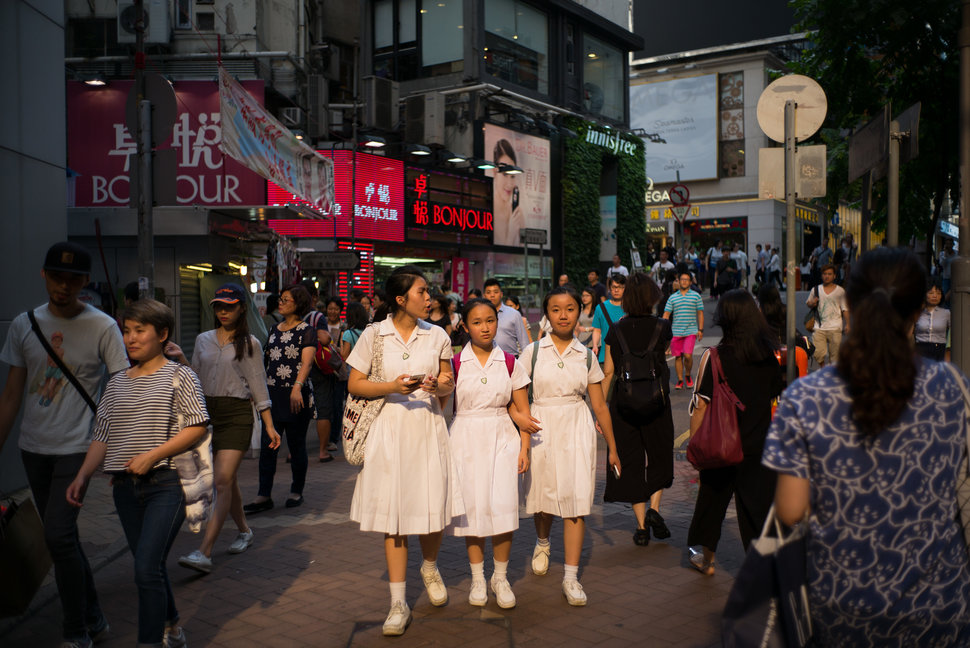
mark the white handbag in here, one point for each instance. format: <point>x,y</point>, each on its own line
<point>360,412</point>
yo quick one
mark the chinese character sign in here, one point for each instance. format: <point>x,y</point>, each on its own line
<point>521,200</point>
<point>99,144</point>
<point>460,281</point>
<point>254,137</point>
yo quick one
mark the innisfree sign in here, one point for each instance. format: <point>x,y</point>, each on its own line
<point>610,140</point>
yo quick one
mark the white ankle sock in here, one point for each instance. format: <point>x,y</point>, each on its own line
<point>429,565</point>
<point>570,572</point>
<point>542,542</point>
<point>478,571</point>
<point>397,592</point>
<point>501,570</point>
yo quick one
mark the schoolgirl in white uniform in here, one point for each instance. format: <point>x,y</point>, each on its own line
<point>408,484</point>
<point>563,471</point>
<point>488,450</point>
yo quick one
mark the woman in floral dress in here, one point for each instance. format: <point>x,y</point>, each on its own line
<point>288,356</point>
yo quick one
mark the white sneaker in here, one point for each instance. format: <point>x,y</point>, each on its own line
<point>478,594</point>
<point>573,592</point>
<point>540,559</point>
<point>503,593</point>
<point>242,542</point>
<point>437,592</point>
<point>398,619</point>
<point>331,447</point>
<point>197,561</point>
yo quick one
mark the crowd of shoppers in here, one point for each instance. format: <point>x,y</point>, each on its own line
<point>523,434</point>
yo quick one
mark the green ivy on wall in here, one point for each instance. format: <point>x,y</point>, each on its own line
<point>582,168</point>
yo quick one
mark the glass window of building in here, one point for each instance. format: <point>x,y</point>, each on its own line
<point>396,39</point>
<point>603,79</point>
<point>442,28</point>
<point>731,113</point>
<point>517,44</point>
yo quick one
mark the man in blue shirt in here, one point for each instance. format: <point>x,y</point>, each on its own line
<point>685,309</point>
<point>606,313</point>
<point>511,336</point>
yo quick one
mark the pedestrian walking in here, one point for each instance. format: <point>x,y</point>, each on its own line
<point>356,320</point>
<point>747,355</point>
<point>287,357</point>
<point>322,382</point>
<point>685,310</point>
<point>932,332</point>
<point>488,450</point>
<point>870,452</point>
<point>512,336</point>
<point>409,482</point>
<point>645,446</point>
<point>584,327</point>
<point>562,477</point>
<point>233,379</point>
<point>616,268</point>
<point>149,413</point>
<point>606,314</point>
<point>833,317</point>
<point>56,423</point>
<point>774,269</point>
<point>724,273</point>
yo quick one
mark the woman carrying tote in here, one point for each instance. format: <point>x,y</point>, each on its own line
<point>870,451</point>
<point>229,364</point>
<point>408,485</point>
<point>747,355</point>
<point>136,435</point>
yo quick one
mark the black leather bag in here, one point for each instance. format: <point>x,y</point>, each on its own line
<point>639,391</point>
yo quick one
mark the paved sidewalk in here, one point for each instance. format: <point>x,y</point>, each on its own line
<point>313,579</point>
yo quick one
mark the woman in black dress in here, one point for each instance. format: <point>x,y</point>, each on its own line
<point>645,447</point>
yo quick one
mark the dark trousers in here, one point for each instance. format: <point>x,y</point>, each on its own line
<point>151,509</point>
<point>753,488</point>
<point>646,455</point>
<point>337,415</point>
<point>295,433</point>
<point>775,277</point>
<point>49,476</point>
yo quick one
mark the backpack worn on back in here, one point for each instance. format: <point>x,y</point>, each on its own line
<point>639,392</point>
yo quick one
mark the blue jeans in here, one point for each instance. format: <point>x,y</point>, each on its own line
<point>151,508</point>
<point>295,432</point>
<point>49,477</point>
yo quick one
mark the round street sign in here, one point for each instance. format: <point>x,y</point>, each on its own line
<point>679,194</point>
<point>810,112</point>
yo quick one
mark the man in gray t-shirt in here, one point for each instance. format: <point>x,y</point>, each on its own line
<point>56,427</point>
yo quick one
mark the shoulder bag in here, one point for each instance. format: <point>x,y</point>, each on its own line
<point>360,412</point>
<point>717,442</point>
<point>194,467</point>
<point>963,476</point>
<point>812,317</point>
<point>639,393</point>
<point>60,363</point>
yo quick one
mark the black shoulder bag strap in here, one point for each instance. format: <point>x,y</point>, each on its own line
<point>60,363</point>
<point>654,338</point>
<point>606,314</point>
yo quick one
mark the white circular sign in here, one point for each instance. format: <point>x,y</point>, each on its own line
<point>809,112</point>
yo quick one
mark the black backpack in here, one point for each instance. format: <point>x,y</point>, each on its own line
<point>639,392</point>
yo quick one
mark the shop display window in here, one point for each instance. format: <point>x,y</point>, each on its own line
<point>517,44</point>
<point>604,84</point>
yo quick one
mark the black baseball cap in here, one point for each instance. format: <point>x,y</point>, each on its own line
<point>229,293</point>
<point>68,257</point>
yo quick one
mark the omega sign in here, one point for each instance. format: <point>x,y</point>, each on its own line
<point>654,196</point>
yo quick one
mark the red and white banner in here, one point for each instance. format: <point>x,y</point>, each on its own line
<point>460,281</point>
<point>255,138</point>
<point>99,144</point>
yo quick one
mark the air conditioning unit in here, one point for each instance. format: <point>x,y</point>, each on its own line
<point>291,116</point>
<point>157,25</point>
<point>380,99</point>
<point>424,118</point>
<point>318,119</point>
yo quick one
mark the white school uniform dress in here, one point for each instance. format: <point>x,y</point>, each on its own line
<point>409,483</point>
<point>562,475</point>
<point>485,445</point>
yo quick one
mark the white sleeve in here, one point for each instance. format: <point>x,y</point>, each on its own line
<point>520,376</point>
<point>525,360</point>
<point>594,374</point>
<point>360,357</point>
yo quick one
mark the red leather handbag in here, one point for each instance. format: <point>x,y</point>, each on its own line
<point>717,442</point>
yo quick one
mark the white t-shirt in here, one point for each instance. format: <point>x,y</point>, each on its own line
<point>830,308</point>
<point>660,269</point>
<point>56,420</point>
<point>616,270</point>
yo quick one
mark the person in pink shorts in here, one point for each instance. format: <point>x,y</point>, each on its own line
<point>685,309</point>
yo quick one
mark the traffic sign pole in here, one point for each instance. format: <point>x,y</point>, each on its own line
<point>790,232</point>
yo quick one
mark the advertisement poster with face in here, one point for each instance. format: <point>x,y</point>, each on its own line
<point>519,200</point>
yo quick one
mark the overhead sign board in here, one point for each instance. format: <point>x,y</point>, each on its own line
<point>342,260</point>
<point>869,147</point>
<point>530,236</point>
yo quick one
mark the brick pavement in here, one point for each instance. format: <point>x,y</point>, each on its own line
<point>313,579</point>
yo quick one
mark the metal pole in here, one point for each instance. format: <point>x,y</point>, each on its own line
<point>143,151</point>
<point>960,270</point>
<point>892,229</point>
<point>525,247</point>
<point>865,244</point>
<point>790,147</point>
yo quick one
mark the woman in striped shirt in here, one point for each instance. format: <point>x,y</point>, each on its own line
<point>136,434</point>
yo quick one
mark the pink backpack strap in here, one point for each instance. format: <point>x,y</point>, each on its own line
<point>509,362</point>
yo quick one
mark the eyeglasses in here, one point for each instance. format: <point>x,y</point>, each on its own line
<point>285,300</point>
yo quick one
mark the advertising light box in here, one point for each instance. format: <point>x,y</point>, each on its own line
<point>378,209</point>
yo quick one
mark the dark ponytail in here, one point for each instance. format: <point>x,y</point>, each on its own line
<point>885,291</point>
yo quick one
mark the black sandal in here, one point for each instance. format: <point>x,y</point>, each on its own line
<point>641,537</point>
<point>656,523</point>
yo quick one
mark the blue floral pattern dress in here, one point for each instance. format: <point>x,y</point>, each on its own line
<point>887,563</point>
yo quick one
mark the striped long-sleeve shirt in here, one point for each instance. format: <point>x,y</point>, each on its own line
<point>139,414</point>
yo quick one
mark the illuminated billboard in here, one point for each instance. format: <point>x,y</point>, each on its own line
<point>523,200</point>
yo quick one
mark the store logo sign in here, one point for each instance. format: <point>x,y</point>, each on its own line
<point>610,141</point>
<point>440,216</point>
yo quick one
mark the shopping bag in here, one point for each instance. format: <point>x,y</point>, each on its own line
<point>768,604</point>
<point>24,560</point>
